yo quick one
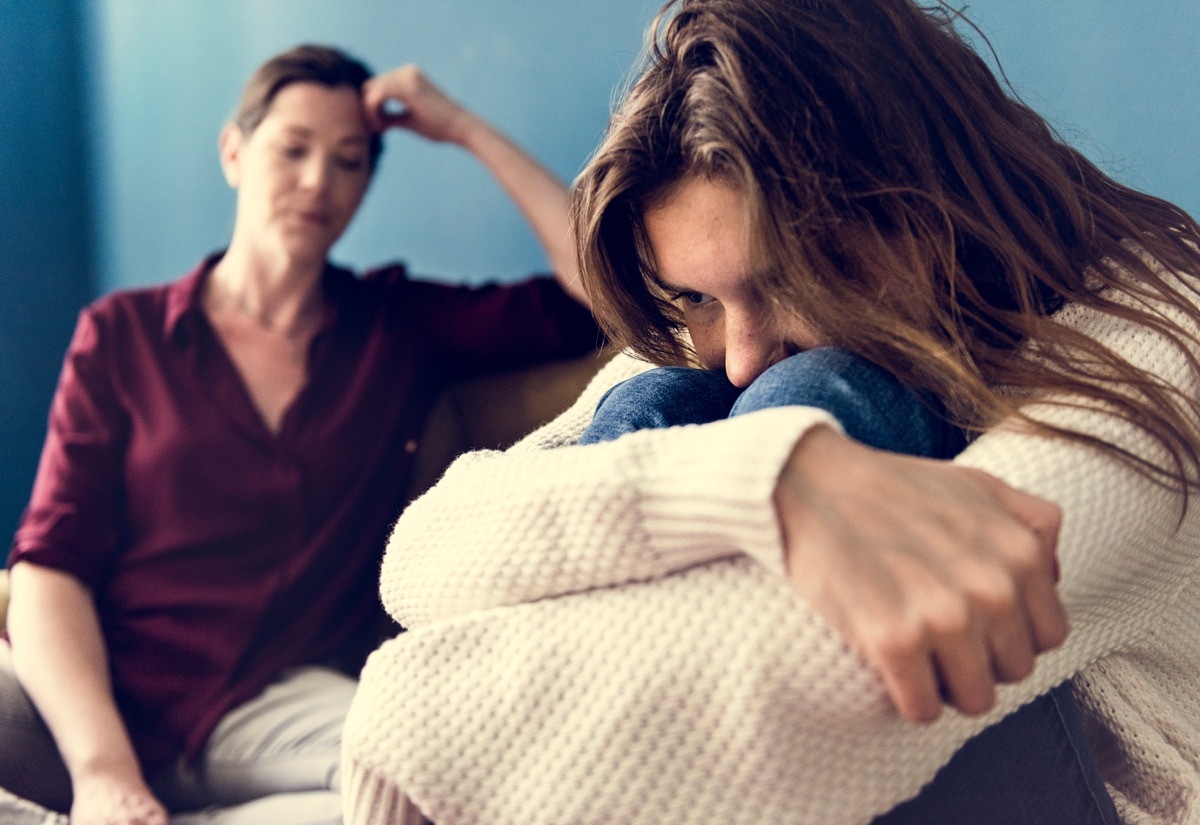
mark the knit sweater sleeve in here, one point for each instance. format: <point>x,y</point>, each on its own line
<point>548,518</point>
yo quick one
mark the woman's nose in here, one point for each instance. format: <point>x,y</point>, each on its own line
<point>315,173</point>
<point>751,346</point>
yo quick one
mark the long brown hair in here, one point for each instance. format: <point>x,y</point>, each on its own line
<point>906,204</point>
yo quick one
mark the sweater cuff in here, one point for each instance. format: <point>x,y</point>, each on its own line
<point>711,494</point>
<point>370,797</point>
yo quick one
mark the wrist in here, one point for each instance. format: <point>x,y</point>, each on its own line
<point>469,131</point>
<point>106,767</point>
<point>820,447</point>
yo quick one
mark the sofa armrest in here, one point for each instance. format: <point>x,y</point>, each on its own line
<point>494,411</point>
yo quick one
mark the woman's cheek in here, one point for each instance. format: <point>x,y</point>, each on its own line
<point>709,343</point>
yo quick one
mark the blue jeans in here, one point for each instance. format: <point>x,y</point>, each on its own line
<point>1035,766</point>
<point>870,404</point>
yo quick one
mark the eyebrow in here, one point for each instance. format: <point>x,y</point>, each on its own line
<point>753,276</point>
<point>305,132</point>
<point>670,289</point>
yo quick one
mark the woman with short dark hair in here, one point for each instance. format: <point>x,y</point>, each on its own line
<point>194,579</point>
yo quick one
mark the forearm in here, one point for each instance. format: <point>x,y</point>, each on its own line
<point>717,689</point>
<point>537,192</point>
<point>60,658</point>
<point>429,112</point>
<point>580,518</point>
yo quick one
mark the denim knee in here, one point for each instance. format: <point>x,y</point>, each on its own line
<point>870,403</point>
<point>661,397</point>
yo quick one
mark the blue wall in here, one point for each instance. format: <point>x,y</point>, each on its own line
<point>1119,79</point>
<point>45,226</point>
<point>170,73</point>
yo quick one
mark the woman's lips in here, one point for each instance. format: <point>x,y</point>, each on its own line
<point>316,218</point>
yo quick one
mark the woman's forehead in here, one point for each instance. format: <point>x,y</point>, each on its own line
<point>315,108</point>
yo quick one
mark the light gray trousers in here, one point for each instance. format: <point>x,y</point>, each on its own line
<point>274,759</point>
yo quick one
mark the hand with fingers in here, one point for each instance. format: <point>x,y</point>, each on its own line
<point>107,799</point>
<point>942,577</point>
<point>405,98</point>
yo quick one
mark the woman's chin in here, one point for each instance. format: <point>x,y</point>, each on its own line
<point>302,251</point>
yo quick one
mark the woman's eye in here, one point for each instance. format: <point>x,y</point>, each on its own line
<point>694,298</point>
<point>292,151</point>
<point>351,164</point>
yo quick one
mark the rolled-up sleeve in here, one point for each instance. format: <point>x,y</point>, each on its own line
<point>71,522</point>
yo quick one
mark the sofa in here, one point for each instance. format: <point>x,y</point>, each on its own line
<point>487,412</point>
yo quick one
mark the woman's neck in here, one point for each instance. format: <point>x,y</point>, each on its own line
<point>281,298</point>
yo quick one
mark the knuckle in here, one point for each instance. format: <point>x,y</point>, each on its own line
<point>1018,546</point>
<point>948,616</point>
<point>1049,515</point>
<point>888,644</point>
<point>1051,632</point>
<point>1024,555</point>
<point>993,591</point>
<point>1015,668</point>
<point>976,700</point>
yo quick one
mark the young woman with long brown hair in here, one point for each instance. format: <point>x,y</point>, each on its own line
<point>787,177</point>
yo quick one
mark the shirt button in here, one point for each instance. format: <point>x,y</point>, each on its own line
<point>410,446</point>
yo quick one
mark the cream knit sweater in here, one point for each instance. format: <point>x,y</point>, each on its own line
<point>603,634</point>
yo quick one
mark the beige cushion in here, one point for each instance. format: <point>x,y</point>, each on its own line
<point>493,411</point>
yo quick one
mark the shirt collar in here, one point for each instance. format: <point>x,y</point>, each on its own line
<point>185,294</point>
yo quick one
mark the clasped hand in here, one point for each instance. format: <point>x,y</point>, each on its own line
<point>406,98</point>
<point>942,577</point>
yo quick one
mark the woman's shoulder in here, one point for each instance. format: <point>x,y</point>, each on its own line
<point>386,277</point>
<point>370,289</point>
<point>1135,281</point>
<point>133,313</point>
<point>131,300</point>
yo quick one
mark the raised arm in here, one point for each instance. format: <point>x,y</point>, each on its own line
<point>60,658</point>
<point>425,109</point>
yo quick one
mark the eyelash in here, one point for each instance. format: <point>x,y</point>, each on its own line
<point>693,298</point>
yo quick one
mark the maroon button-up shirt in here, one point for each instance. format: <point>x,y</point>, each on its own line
<point>220,553</point>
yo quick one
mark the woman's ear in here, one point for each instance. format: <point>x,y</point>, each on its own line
<point>230,147</point>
